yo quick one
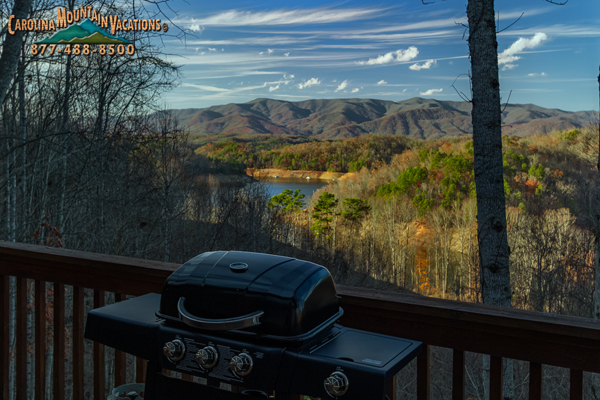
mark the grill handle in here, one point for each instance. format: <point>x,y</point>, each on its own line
<point>224,324</point>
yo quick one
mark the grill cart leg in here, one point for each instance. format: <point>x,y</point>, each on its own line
<point>151,392</point>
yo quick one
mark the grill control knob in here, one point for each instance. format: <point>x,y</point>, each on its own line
<point>207,357</point>
<point>336,384</point>
<point>241,364</point>
<point>174,350</point>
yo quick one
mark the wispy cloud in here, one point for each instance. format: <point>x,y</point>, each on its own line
<point>426,65</point>
<point>230,74</point>
<point>195,26</point>
<point>291,96</point>
<point>320,15</point>
<point>397,56</point>
<point>382,82</point>
<point>422,25</point>
<point>254,41</point>
<point>509,56</point>
<point>355,90</point>
<point>536,74</point>
<point>287,54</point>
<point>342,86</point>
<point>205,87</point>
<point>369,46</point>
<point>557,30</point>
<point>430,92</point>
<point>398,38</point>
<point>285,81</point>
<point>309,83</point>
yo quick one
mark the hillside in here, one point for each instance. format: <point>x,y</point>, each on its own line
<point>345,118</point>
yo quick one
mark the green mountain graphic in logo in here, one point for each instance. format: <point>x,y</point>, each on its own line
<point>84,33</point>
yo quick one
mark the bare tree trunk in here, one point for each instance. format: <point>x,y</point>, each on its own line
<point>23,127</point>
<point>11,49</point>
<point>64,141</point>
<point>487,144</point>
<point>596,377</point>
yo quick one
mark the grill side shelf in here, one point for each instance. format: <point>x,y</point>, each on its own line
<point>367,361</point>
<point>128,325</point>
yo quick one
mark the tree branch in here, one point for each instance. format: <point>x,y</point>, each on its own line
<point>461,94</point>
<point>517,20</point>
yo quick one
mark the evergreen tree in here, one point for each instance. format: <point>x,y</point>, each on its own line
<point>323,214</point>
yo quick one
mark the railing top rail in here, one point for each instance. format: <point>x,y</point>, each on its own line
<point>552,339</point>
<point>541,337</point>
<point>79,268</point>
<point>458,311</point>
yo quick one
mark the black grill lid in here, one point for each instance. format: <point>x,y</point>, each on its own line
<point>272,296</point>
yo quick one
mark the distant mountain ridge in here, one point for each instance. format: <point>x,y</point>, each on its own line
<point>344,118</point>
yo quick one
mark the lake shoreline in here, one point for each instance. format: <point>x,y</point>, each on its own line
<point>270,173</point>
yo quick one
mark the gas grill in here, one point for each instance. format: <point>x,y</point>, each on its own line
<point>261,322</point>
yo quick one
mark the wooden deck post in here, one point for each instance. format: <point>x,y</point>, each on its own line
<point>535,381</point>
<point>423,374</point>
<point>458,374</point>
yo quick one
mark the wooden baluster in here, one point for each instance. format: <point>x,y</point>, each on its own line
<point>4,343</point>
<point>40,340</point>
<point>495,378</point>
<point>140,370</point>
<point>423,374</point>
<point>535,381</point>
<point>120,356</point>
<point>576,385</point>
<point>59,341</point>
<point>21,354</point>
<point>99,372</point>
<point>78,349</point>
<point>458,374</point>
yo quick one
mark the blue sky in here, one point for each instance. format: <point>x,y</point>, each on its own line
<point>239,50</point>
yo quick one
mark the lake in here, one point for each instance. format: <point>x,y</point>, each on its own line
<point>307,186</point>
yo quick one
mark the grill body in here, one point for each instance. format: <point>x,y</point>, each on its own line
<point>294,348</point>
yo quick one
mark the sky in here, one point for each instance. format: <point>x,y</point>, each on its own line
<point>235,51</point>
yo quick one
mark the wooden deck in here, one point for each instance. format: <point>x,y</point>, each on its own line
<point>542,339</point>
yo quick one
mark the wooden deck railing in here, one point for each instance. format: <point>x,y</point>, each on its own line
<point>550,339</point>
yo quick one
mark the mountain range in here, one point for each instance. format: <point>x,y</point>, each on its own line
<point>344,118</point>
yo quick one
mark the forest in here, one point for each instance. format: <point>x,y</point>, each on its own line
<point>350,155</point>
<point>408,217</point>
<point>411,222</point>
